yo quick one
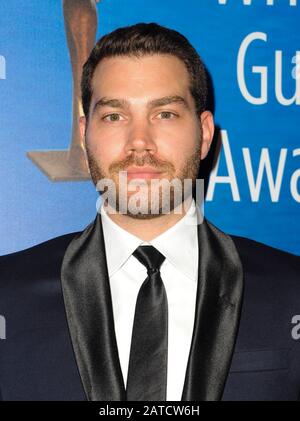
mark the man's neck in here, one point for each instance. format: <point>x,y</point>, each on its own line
<point>148,229</point>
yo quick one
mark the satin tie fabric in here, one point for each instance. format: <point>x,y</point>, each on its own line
<point>147,370</point>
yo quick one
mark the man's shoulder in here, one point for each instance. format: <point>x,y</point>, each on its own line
<point>255,254</point>
<point>264,266</point>
<point>267,266</point>
<point>252,251</point>
<point>45,257</point>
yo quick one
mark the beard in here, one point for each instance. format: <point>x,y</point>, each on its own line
<point>169,197</point>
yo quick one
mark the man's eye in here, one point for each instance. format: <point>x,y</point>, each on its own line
<point>167,115</point>
<point>112,117</point>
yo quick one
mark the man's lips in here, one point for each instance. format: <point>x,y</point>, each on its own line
<point>143,172</point>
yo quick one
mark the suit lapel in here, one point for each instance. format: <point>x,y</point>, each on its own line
<point>217,315</point>
<point>89,311</point>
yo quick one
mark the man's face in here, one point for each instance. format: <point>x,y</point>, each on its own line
<point>143,120</point>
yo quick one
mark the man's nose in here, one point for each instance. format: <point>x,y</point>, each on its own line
<point>140,137</point>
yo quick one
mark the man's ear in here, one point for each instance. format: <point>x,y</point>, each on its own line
<point>208,128</point>
<point>82,127</point>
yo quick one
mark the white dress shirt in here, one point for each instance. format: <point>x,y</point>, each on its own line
<point>179,272</point>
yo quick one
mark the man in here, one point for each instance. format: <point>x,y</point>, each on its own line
<point>146,305</point>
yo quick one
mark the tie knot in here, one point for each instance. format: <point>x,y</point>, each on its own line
<point>150,257</point>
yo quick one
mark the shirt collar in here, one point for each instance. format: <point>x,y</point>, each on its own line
<point>179,244</point>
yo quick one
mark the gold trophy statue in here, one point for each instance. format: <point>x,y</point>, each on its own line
<point>80,17</point>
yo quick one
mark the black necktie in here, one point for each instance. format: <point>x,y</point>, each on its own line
<point>147,370</point>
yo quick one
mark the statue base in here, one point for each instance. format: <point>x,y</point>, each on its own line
<point>54,164</point>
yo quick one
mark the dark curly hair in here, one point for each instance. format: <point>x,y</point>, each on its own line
<point>147,39</point>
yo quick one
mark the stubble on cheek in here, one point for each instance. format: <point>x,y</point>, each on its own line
<point>188,170</point>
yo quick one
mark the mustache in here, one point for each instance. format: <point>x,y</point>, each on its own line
<point>140,161</point>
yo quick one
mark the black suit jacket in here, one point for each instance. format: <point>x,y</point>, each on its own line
<point>56,349</point>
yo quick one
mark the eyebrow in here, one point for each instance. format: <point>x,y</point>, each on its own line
<point>123,103</point>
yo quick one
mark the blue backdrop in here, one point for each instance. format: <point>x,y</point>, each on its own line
<point>250,49</point>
